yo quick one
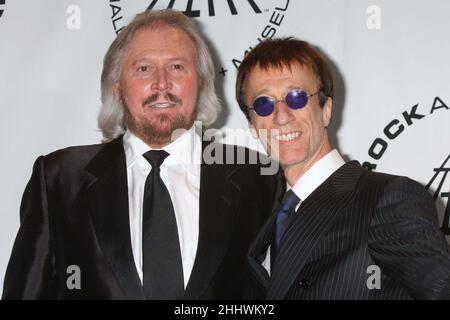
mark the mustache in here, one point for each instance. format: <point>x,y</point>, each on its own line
<point>166,96</point>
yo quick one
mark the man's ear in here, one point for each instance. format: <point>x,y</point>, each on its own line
<point>327,112</point>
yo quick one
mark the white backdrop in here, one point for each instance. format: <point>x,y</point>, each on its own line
<point>391,61</point>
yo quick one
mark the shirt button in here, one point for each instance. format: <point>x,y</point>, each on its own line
<point>304,283</point>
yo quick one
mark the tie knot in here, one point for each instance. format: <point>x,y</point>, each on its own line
<point>155,157</point>
<point>290,200</point>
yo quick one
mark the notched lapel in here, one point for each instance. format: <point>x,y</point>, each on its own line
<point>314,218</point>
<point>108,207</point>
<point>218,196</point>
<point>258,249</point>
<point>257,253</point>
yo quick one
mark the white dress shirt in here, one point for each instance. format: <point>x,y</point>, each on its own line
<point>180,172</point>
<point>310,181</point>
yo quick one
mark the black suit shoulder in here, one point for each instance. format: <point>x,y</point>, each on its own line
<point>382,189</point>
<point>388,190</point>
<point>404,238</point>
<point>70,167</point>
<point>73,156</point>
<point>251,167</point>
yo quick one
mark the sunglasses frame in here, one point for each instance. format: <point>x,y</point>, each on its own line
<point>275,102</point>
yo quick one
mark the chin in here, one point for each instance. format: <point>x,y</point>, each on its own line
<point>289,160</point>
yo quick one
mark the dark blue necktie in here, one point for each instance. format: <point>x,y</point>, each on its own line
<point>290,200</point>
<point>162,267</point>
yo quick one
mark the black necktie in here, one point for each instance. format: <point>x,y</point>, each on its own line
<point>163,269</point>
<point>287,207</point>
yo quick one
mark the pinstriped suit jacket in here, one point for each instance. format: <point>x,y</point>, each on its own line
<point>356,219</point>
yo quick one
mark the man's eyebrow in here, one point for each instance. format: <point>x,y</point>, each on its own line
<point>147,59</point>
<point>138,60</point>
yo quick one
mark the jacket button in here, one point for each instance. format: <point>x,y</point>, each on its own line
<point>304,283</point>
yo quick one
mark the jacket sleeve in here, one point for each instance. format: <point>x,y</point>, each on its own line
<point>31,268</point>
<point>406,243</point>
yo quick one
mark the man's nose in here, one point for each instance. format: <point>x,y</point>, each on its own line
<point>161,81</point>
<point>282,113</point>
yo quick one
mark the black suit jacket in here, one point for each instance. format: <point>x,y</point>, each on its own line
<point>354,220</point>
<point>75,212</point>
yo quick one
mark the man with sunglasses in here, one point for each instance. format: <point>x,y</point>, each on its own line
<point>339,231</point>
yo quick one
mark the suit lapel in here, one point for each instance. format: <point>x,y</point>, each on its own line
<point>108,206</point>
<point>257,253</point>
<point>313,219</point>
<point>258,249</point>
<point>219,192</point>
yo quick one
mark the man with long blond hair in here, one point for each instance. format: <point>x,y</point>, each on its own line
<point>143,215</point>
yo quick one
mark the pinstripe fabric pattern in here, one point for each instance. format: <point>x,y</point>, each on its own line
<point>356,219</point>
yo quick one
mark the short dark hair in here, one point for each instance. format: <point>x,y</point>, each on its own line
<point>283,52</point>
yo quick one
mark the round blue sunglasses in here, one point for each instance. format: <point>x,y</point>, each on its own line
<point>295,99</point>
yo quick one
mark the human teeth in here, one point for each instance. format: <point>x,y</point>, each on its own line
<point>287,137</point>
<point>162,105</point>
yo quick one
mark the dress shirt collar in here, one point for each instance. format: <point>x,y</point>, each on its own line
<point>185,151</point>
<point>317,174</point>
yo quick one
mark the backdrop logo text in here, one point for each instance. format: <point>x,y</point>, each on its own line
<point>190,8</point>
<point>2,4</point>
<point>438,183</point>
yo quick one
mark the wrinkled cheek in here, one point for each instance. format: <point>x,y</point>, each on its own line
<point>273,148</point>
<point>264,138</point>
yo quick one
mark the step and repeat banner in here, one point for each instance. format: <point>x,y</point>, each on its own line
<point>390,59</point>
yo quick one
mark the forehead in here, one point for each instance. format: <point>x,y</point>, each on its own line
<point>161,41</point>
